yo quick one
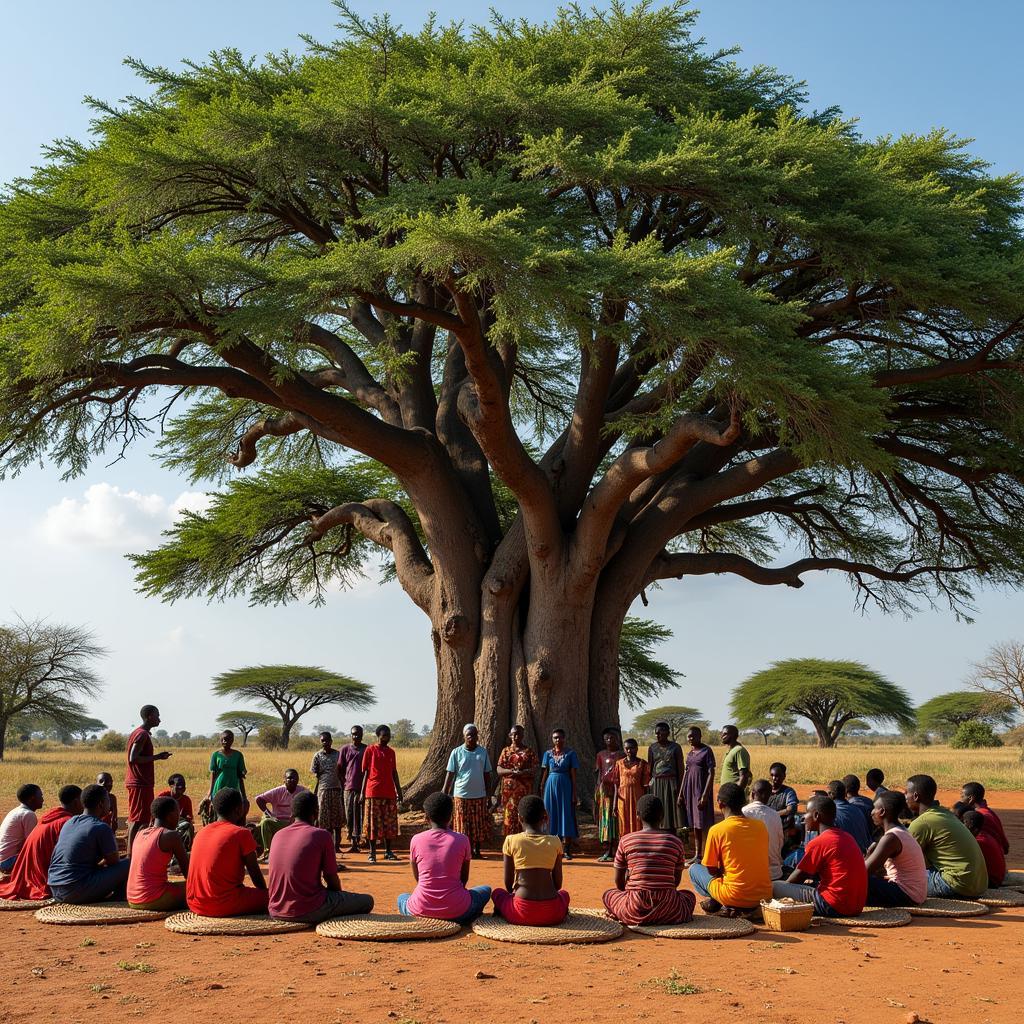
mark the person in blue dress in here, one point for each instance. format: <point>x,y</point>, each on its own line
<point>558,784</point>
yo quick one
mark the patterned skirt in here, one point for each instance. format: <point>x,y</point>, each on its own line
<point>332,810</point>
<point>605,816</point>
<point>380,819</point>
<point>650,906</point>
<point>473,820</point>
<point>512,791</point>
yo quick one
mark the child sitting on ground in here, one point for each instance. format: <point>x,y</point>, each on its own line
<point>154,847</point>
<point>440,860</point>
<point>995,861</point>
<point>533,893</point>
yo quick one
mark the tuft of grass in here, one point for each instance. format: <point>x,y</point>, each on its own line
<point>100,986</point>
<point>137,966</point>
<point>88,942</point>
<point>674,985</point>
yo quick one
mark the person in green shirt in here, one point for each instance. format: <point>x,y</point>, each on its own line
<point>227,768</point>
<point>736,763</point>
<point>956,865</point>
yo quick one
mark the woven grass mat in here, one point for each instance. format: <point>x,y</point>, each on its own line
<point>247,924</point>
<point>577,927</point>
<point>23,904</point>
<point>949,908</point>
<point>699,928</point>
<point>1014,880</point>
<point>96,913</point>
<point>871,917</point>
<point>385,928</point>
<point>1002,898</point>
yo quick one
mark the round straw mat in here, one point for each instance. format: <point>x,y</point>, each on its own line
<point>23,904</point>
<point>871,917</point>
<point>698,928</point>
<point>576,927</point>
<point>385,928</point>
<point>1014,880</point>
<point>96,913</point>
<point>949,908</point>
<point>1001,898</point>
<point>247,924</point>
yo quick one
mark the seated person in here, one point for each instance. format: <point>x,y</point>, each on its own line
<point>832,857</point>
<point>956,865</point>
<point>866,806</point>
<point>186,827</point>
<point>734,875</point>
<point>533,893</point>
<point>848,817</point>
<point>973,794</point>
<point>897,872</point>
<point>759,808</point>
<point>86,867</point>
<point>301,856</point>
<point>106,780</point>
<point>276,805</point>
<point>19,823</point>
<point>223,852</point>
<point>152,851</point>
<point>995,860</point>
<point>440,860</point>
<point>875,781</point>
<point>29,874</point>
<point>783,798</point>
<point>648,868</point>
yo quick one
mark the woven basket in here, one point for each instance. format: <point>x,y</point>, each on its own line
<point>96,913</point>
<point>386,928</point>
<point>709,927</point>
<point>794,918</point>
<point>23,904</point>
<point>1001,897</point>
<point>1014,880</point>
<point>576,928</point>
<point>188,923</point>
<point>949,908</point>
<point>871,917</point>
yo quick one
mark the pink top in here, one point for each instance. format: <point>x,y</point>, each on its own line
<point>147,870</point>
<point>299,856</point>
<point>908,870</point>
<point>439,855</point>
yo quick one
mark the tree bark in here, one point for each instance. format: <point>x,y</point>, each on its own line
<point>4,723</point>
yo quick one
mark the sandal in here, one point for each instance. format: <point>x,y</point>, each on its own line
<point>390,856</point>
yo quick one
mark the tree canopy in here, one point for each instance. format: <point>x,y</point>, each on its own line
<point>829,694</point>
<point>641,675</point>
<point>245,722</point>
<point>943,714</point>
<point>292,691</point>
<point>676,717</point>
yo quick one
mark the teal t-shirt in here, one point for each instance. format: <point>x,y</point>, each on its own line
<point>229,769</point>
<point>469,767</point>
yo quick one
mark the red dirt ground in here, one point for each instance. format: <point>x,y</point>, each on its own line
<point>943,971</point>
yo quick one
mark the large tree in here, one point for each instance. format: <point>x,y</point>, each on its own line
<point>543,314</point>
<point>944,714</point>
<point>676,717</point>
<point>831,695</point>
<point>1000,675</point>
<point>246,722</point>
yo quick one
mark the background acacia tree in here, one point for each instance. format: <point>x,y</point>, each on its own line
<point>677,718</point>
<point>543,315</point>
<point>771,723</point>
<point>829,694</point>
<point>944,714</point>
<point>245,722</point>
<point>292,691</point>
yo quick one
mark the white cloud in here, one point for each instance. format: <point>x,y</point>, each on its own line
<point>110,518</point>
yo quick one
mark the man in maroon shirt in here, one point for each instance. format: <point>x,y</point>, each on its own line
<point>973,794</point>
<point>139,775</point>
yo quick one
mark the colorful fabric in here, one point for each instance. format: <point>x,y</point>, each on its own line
<point>739,846</point>
<point>558,792</point>
<point>332,809</point>
<point>83,843</point>
<point>140,804</point>
<point>139,775</point>
<point>16,828</point>
<point>533,913</point>
<point>653,861</point>
<point>439,855</point>
<point>184,804</point>
<point>604,765</point>
<point>776,834</point>
<point>837,862</point>
<point>532,850</point>
<point>280,799</point>
<point>512,789</point>
<point>735,761</point>
<point>632,781</point>
<point>469,768</point>
<point>228,770</point>
<point>28,876</point>
<point>350,765</point>
<point>380,766</point>
<point>301,855</point>
<point>700,766</point>
<point>993,824</point>
<point>605,816</point>
<point>326,766</point>
<point>951,850</point>
<point>995,861</point>
<point>147,870</point>
<point>473,820</point>
<point>380,818</point>
<point>215,886</point>
<point>908,869</point>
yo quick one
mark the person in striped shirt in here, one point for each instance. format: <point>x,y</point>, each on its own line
<point>648,868</point>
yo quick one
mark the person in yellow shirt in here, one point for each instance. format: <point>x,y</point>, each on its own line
<point>734,876</point>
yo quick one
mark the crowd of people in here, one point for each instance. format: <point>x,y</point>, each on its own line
<point>844,852</point>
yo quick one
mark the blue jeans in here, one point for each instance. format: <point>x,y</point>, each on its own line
<point>6,865</point>
<point>700,879</point>
<point>940,888</point>
<point>804,894</point>
<point>107,883</point>
<point>478,898</point>
<point>883,893</point>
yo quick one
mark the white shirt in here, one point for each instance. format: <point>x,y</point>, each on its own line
<point>773,822</point>
<point>15,830</point>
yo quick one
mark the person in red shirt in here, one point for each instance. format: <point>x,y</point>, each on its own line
<point>186,818</point>
<point>139,775</point>
<point>222,854</point>
<point>834,857</point>
<point>995,861</point>
<point>380,795</point>
<point>28,879</point>
<point>973,794</point>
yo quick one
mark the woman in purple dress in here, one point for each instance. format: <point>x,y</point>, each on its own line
<point>695,790</point>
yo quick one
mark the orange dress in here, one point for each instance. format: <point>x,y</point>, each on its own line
<point>633,781</point>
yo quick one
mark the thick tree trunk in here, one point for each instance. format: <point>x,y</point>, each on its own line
<point>3,736</point>
<point>286,731</point>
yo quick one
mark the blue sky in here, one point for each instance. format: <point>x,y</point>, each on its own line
<point>903,67</point>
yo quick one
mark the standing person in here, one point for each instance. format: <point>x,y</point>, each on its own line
<point>350,766</point>
<point>956,865</point>
<point>760,809</point>
<point>222,855</point>
<point>19,823</point>
<point>469,776</point>
<point>736,763</point>
<point>86,867</point>
<point>558,769</point>
<point>853,797</point>
<point>995,860</point>
<point>973,794</point>
<point>155,848</point>
<point>139,775</point>
<point>604,793</point>
<point>276,805</point>
<point>112,818</point>
<point>326,765</point>
<point>186,826</point>
<point>632,780</point>
<point>29,874</point>
<point>897,872</point>
<point>665,757</point>
<point>303,855</point>
<point>380,795</point>
<point>227,769</point>
<point>695,791</point>
<point>849,818</point>
<point>517,766</point>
